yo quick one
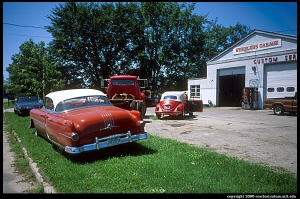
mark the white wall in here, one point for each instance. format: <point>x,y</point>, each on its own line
<point>230,62</point>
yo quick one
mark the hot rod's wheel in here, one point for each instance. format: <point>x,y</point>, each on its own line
<point>140,108</point>
<point>133,105</point>
<point>144,108</point>
<point>278,109</point>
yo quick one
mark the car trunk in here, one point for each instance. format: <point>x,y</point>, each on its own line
<point>101,122</point>
<point>169,105</point>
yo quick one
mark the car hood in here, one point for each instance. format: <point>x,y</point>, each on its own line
<point>30,104</point>
<point>105,119</point>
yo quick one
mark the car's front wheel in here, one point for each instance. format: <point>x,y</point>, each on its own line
<point>278,109</point>
<point>133,105</point>
<point>140,108</point>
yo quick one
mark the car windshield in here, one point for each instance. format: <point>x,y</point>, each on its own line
<point>123,82</point>
<point>30,99</point>
<point>82,102</point>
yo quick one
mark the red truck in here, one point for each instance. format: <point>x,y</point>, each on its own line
<point>126,91</point>
<point>281,105</point>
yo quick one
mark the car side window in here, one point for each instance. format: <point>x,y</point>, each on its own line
<point>49,103</point>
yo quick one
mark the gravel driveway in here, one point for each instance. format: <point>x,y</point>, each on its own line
<point>255,135</point>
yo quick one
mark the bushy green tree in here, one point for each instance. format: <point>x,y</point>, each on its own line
<point>31,71</point>
<point>93,40</point>
<point>161,41</point>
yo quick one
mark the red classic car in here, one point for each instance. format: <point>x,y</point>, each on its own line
<point>176,103</point>
<point>79,120</point>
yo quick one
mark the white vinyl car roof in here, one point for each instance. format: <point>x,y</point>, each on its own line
<point>178,94</point>
<point>58,96</point>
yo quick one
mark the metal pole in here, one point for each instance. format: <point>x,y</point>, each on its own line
<point>43,79</point>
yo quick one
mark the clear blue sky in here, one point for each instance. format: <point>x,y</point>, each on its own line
<point>278,17</point>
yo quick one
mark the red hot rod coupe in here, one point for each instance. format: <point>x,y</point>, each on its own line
<point>79,120</point>
<point>176,104</point>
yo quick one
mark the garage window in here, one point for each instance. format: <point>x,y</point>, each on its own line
<point>290,89</point>
<point>280,89</point>
<point>271,89</point>
<point>195,91</point>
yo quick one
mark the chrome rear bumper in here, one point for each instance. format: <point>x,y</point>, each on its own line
<point>108,141</point>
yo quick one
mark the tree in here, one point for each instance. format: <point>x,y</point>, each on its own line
<point>31,72</point>
<point>186,44</point>
<point>161,41</point>
<point>94,40</point>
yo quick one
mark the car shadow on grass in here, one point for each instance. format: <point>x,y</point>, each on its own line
<point>129,149</point>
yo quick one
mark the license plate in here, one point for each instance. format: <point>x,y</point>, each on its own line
<point>167,107</point>
<point>113,141</point>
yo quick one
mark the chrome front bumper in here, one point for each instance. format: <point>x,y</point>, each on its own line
<point>108,141</point>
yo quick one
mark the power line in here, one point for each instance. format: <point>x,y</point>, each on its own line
<point>23,26</point>
<point>29,36</point>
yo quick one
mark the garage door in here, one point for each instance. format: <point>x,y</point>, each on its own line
<point>281,80</point>
<point>230,84</point>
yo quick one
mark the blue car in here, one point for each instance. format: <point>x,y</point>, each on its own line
<point>23,105</point>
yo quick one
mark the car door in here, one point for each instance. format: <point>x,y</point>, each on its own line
<point>195,105</point>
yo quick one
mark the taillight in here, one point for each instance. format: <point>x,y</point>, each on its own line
<point>74,136</point>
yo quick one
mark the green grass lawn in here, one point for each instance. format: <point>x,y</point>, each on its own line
<point>7,105</point>
<point>154,165</point>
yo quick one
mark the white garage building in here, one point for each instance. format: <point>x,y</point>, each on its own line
<point>264,60</point>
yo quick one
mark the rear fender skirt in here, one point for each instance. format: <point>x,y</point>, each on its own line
<point>47,134</point>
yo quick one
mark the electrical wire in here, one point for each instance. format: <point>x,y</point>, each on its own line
<point>29,36</point>
<point>23,26</point>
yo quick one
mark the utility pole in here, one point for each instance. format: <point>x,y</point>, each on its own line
<point>43,79</point>
<point>44,73</point>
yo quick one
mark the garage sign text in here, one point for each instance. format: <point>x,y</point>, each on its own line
<point>259,46</point>
<point>288,57</point>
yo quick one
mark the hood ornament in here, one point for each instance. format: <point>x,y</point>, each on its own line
<point>109,127</point>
